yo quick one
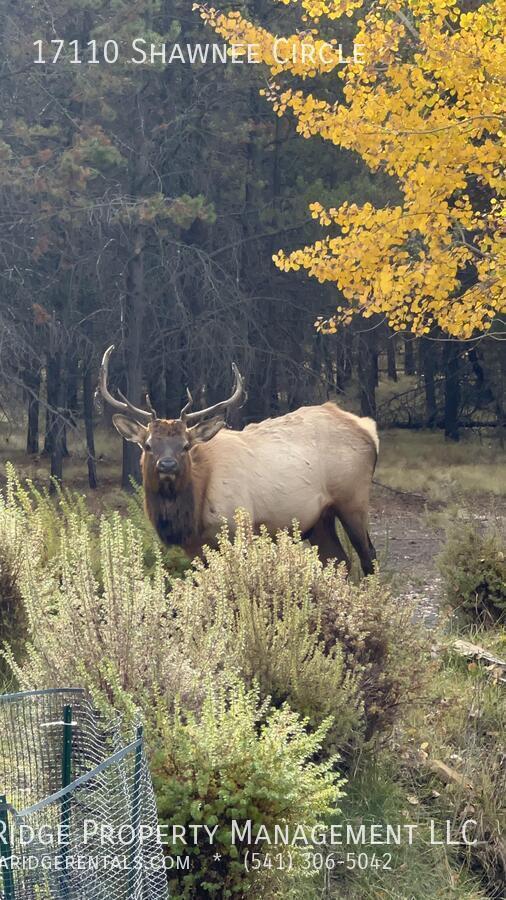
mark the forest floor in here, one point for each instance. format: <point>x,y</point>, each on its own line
<point>407,545</point>
<point>409,531</point>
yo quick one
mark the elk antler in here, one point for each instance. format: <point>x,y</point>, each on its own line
<point>183,415</point>
<point>237,398</point>
<point>124,404</point>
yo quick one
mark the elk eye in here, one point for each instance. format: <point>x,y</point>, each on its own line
<point>147,446</point>
<point>186,446</point>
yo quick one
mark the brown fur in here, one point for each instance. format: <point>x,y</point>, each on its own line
<point>170,505</point>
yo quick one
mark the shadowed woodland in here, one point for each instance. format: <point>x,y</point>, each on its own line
<point>143,209</point>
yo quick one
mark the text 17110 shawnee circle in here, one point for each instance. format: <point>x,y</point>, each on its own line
<point>142,52</point>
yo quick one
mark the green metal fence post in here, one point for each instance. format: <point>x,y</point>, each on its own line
<point>136,809</point>
<point>66,778</point>
<point>6,851</point>
<point>66,767</point>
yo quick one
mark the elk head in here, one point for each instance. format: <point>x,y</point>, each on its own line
<point>165,442</point>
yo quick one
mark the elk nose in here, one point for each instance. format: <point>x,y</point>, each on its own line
<point>167,466</point>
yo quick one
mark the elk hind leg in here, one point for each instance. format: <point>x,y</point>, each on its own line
<point>323,535</point>
<point>355,524</point>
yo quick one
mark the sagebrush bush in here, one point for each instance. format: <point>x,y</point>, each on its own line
<point>239,761</point>
<point>18,548</point>
<point>473,567</point>
<point>13,619</point>
<point>87,591</point>
<point>108,630</point>
<point>43,513</point>
<point>267,610</point>
<point>303,631</point>
<point>53,512</point>
<point>382,647</point>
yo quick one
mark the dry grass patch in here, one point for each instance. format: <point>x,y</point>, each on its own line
<point>424,462</point>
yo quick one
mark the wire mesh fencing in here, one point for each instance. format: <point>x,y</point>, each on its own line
<point>77,809</point>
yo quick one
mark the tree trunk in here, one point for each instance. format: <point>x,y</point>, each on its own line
<point>500,395</point>
<point>367,369</point>
<point>134,314</point>
<point>452,389</point>
<point>340,362</point>
<point>296,386</point>
<point>427,358</point>
<point>477,368</point>
<point>375,357</point>
<point>32,381</point>
<point>88,422</point>
<point>391,359</point>
<point>135,288</point>
<point>409,355</point>
<point>273,396</point>
<point>489,389</point>
<point>56,425</point>
<point>174,388</point>
<point>57,456</point>
<point>251,274</point>
<point>57,437</point>
<point>344,357</point>
<point>156,391</point>
<point>53,366</point>
<point>317,365</point>
<point>72,370</point>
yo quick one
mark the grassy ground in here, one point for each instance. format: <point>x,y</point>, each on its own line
<point>441,470</point>
<point>75,473</point>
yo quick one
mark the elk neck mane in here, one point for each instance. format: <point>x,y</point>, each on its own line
<point>171,509</point>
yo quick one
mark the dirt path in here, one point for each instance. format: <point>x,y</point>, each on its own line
<point>407,547</point>
<point>408,544</point>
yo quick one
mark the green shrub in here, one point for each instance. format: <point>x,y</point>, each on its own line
<point>254,604</point>
<point>57,565</point>
<point>111,630</point>
<point>13,619</point>
<point>383,648</point>
<point>53,513</point>
<point>473,567</point>
<point>46,514</point>
<point>267,610</point>
<point>303,631</point>
<point>16,545</point>
<point>241,761</point>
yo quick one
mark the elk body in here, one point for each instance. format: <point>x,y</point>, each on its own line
<point>310,465</point>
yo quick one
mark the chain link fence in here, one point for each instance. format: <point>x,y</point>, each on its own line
<point>77,809</point>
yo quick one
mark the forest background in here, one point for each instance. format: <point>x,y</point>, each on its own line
<point>142,205</point>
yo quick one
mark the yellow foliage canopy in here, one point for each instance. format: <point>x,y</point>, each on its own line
<point>426,106</point>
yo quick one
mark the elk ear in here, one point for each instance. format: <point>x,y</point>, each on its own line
<point>130,430</point>
<point>204,431</point>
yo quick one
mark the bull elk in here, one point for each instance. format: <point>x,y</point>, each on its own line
<point>310,465</point>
